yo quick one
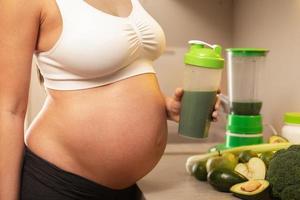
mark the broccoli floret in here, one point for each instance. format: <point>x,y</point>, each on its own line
<point>294,148</point>
<point>284,174</point>
<point>291,193</point>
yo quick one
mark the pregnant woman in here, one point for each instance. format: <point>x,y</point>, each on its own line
<point>103,124</point>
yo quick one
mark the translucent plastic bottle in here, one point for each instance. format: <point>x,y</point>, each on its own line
<point>291,129</point>
<point>244,68</point>
<point>202,77</point>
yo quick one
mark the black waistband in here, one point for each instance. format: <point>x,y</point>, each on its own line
<point>70,184</point>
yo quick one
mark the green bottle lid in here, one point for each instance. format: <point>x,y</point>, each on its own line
<point>245,124</point>
<point>201,56</point>
<point>247,52</point>
<point>292,118</point>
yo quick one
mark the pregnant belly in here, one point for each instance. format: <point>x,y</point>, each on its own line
<point>113,135</point>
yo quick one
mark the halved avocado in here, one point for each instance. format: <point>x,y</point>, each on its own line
<point>277,139</point>
<point>252,190</point>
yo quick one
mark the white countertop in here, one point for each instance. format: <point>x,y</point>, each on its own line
<point>170,181</point>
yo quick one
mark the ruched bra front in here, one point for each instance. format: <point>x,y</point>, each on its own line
<point>96,48</point>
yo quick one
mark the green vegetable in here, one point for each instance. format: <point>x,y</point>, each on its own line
<point>277,139</point>
<point>199,171</point>
<point>227,160</point>
<point>291,193</point>
<point>254,169</point>
<point>245,156</point>
<point>267,157</point>
<point>251,190</point>
<point>284,173</point>
<point>223,179</point>
<point>260,148</point>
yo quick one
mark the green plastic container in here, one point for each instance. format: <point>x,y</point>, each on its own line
<point>240,140</point>
<point>245,124</point>
<point>244,130</point>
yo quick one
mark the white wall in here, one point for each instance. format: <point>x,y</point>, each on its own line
<point>182,20</point>
<point>273,24</point>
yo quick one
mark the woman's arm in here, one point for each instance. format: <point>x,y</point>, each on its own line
<point>19,23</point>
<point>173,106</point>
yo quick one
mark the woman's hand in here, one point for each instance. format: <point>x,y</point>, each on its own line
<point>173,106</point>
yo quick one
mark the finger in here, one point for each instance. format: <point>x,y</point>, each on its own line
<point>218,103</point>
<point>215,116</point>
<point>178,94</point>
<point>176,105</point>
<point>175,110</point>
<point>176,118</point>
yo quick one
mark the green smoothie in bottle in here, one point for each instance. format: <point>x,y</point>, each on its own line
<point>202,76</point>
<point>197,108</point>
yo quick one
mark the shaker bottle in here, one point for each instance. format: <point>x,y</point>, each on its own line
<point>202,77</point>
<point>245,66</point>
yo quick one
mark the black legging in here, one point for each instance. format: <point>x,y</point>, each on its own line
<point>42,180</point>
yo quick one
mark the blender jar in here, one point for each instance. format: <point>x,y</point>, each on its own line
<point>244,68</point>
<point>202,77</point>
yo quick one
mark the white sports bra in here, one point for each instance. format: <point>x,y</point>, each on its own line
<point>96,48</point>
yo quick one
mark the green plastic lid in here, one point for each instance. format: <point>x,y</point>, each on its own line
<point>292,118</point>
<point>201,56</point>
<point>247,52</point>
<point>245,124</point>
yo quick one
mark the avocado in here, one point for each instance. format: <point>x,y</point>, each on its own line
<point>267,157</point>
<point>199,171</point>
<point>252,190</point>
<point>222,179</point>
<point>277,139</point>
<point>245,156</point>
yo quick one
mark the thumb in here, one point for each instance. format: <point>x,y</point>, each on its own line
<point>178,94</point>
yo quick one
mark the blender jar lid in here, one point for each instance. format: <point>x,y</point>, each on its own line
<point>202,54</point>
<point>247,52</point>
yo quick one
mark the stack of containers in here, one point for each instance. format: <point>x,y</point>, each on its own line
<point>244,125</point>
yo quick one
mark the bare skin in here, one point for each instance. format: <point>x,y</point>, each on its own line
<point>113,134</point>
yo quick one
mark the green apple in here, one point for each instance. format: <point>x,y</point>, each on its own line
<point>255,169</point>
<point>227,161</point>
